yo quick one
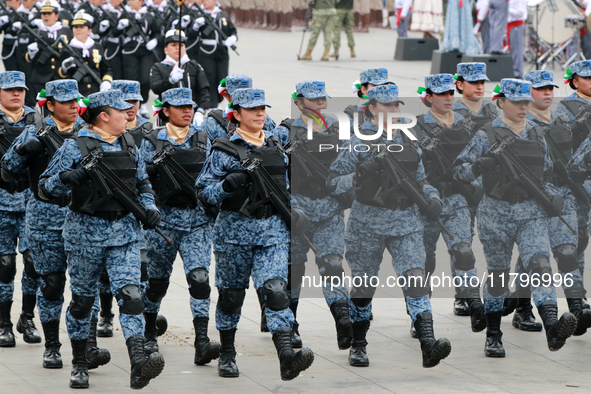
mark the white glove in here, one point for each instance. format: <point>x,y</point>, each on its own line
<point>198,118</point>
<point>37,23</point>
<point>104,26</point>
<point>16,26</point>
<point>185,21</point>
<point>68,64</point>
<point>106,85</point>
<point>4,20</point>
<point>198,23</point>
<point>476,28</point>
<point>123,23</point>
<point>152,44</point>
<point>33,50</point>
<point>176,74</point>
<point>230,41</point>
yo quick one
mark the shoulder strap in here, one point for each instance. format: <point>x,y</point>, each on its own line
<point>573,106</point>
<point>199,140</point>
<point>152,136</point>
<point>233,149</point>
<point>86,144</point>
<point>287,123</point>
<point>490,132</point>
<point>219,117</point>
<point>424,126</point>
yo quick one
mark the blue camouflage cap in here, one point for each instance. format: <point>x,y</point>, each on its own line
<point>384,94</point>
<point>440,83</point>
<point>237,81</point>
<point>312,89</point>
<point>178,97</point>
<point>582,68</point>
<point>540,78</point>
<point>62,90</point>
<point>472,71</point>
<point>110,98</point>
<point>12,79</point>
<point>375,76</point>
<point>516,89</point>
<point>131,89</point>
<point>249,98</point>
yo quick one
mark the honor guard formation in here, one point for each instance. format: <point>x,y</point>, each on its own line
<point>95,194</point>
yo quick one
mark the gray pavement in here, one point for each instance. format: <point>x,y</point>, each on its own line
<point>270,58</point>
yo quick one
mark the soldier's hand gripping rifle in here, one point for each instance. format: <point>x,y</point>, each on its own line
<point>137,29</point>
<point>110,186</point>
<point>110,18</point>
<point>520,173</point>
<point>266,192</point>
<point>178,180</point>
<point>198,12</point>
<point>396,176</point>
<point>82,69</point>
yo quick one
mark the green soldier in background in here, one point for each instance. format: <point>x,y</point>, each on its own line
<point>323,16</point>
<point>345,18</point>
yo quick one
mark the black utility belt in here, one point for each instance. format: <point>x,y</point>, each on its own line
<point>60,201</point>
<point>515,198</point>
<point>263,212</point>
<point>448,190</point>
<point>397,204</point>
<point>110,215</point>
<point>184,206</point>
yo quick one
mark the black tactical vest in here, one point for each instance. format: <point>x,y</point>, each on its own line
<point>582,125</point>
<point>561,134</point>
<point>85,198</point>
<point>7,135</point>
<point>273,160</point>
<point>221,119</point>
<point>52,139</point>
<point>140,132</point>
<point>351,110</point>
<point>489,114</point>
<point>497,183</point>
<point>191,160</point>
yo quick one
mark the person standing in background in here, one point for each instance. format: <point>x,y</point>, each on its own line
<point>458,36</point>
<point>344,19</point>
<point>497,21</point>
<point>515,31</point>
<point>428,17</point>
<point>403,15</point>
<point>323,17</point>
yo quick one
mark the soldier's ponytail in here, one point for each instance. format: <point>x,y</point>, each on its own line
<point>91,115</point>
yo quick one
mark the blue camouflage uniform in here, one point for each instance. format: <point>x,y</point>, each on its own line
<point>245,246</point>
<point>12,209</point>
<point>473,72</point>
<point>91,242</point>
<point>44,220</point>
<point>230,84</point>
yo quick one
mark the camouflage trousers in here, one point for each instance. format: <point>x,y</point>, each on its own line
<point>322,21</point>
<point>85,265</point>
<point>345,20</point>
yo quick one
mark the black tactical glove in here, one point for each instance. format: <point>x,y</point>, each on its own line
<point>299,223</point>
<point>365,170</point>
<point>434,210</point>
<point>73,178</point>
<point>32,148</point>
<point>482,165</point>
<point>235,181</point>
<point>152,219</point>
<point>556,205</point>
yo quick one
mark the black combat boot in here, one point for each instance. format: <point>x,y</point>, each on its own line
<point>510,303</point>
<point>524,318</point>
<point>434,350</point>
<point>79,374</point>
<point>105,323</point>
<point>340,313</point>
<point>461,307</point>
<point>205,351</point>
<point>25,324</point>
<point>51,356</point>
<point>151,333</point>
<point>263,304</point>
<point>6,333</point>
<point>162,324</point>
<point>494,345</point>
<point>557,331</point>
<point>227,367</point>
<point>477,318</point>
<point>296,339</point>
<point>143,367</point>
<point>95,355</point>
<point>574,297</point>
<point>358,352</point>
<point>291,363</point>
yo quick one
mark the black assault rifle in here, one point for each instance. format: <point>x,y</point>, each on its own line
<point>305,163</point>
<point>137,29</point>
<point>82,68</point>
<point>198,12</point>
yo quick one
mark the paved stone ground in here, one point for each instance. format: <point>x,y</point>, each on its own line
<point>270,58</point>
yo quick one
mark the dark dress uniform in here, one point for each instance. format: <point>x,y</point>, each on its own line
<point>96,62</point>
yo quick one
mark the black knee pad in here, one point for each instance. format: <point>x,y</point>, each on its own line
<point>497,281</point>
<point>332,265</point>
<point>104,277</point>
<point>132,300</point>
<point>143,272</point>
<point>275,292</point>
<point>583,239</point>
<point>566,257</point>
<point>157,289</point>
<point>29,265</point>
<point>295,275</point>
<point>463,256</point>
<point>7,268</point>
<point>416,283</point>
<point>430,264</point>
<point>362,295</point>
<point>540,264</point>
<point>231,300</point>
<point>80,307</point>
<point>53,286</point>
<point>198,280</point>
